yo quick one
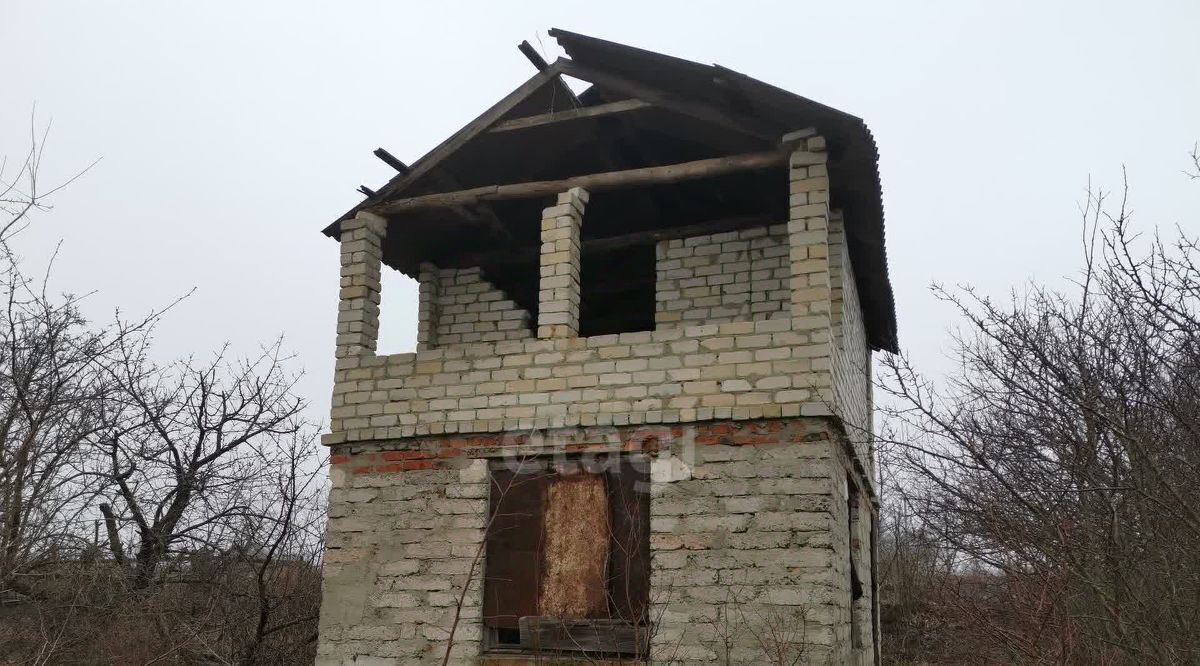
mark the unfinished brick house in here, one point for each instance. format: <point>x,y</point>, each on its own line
<point>637,425</point>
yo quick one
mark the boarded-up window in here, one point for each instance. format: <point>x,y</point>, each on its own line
<point>567,556</point>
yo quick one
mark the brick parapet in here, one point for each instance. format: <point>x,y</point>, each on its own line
<point>736,370</point>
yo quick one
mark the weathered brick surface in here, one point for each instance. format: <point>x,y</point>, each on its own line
<point>464,307</point>
<point>398,556</point>
<point>748,518</point>
<point>733,276</point>
<point>738,370</point>
<point>758,532</point>
<point>558,293</point>
<point>751,398</point>
<point>358,299</point>
<point>852,357</point>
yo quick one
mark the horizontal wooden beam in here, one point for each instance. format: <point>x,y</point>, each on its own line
<point>599,110</point>
<point>687,231</point>
<point>611,243</point>
<point>596,182</point>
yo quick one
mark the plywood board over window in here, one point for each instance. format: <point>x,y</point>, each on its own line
<point>567,566</point>
<point>577,534</point>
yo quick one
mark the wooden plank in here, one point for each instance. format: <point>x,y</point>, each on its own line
<point>485,120</point>
<point>540,63</point>
<point>700,110</point>
<point>551,634</point>
<point>446,148</point>
<point>513,546</point>
<point>623,106</point>
<point>534,57</point>
<point>480,214</point>
<point>596,182</point>
<point>390,160</point>
<point>699,229</point>
<point>576,548</point>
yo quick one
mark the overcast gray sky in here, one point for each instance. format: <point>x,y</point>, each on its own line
<point>232,132</point>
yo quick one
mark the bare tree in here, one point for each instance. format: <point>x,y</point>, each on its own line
<point>22,191</point>
<point>189,447</point>
<point>206,479</point>
<point>50,402</point>
<point>51,392</point>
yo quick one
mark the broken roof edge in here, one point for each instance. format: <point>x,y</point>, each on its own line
<point>783,106</point>
<point>434,156</point>
<point>874,283</point>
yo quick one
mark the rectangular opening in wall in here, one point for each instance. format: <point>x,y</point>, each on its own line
<point>397,312</point>
<point>567,559</point>
<point>855,544</point>
<point>617,291</point>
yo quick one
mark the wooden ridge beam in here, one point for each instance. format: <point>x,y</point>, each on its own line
<point>623,106</point>
<point>596,182</point>
<point>534,57</point>
<point>541,65</point>
<point>700,110</point>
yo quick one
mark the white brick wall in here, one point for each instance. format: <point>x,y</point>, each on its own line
<point>459,306</point>
<point>733,276</point>
<point>757,535</point>
<point>398,554</point>
<point>755,327</point>
<point>747,520</point>
<point>852,356</point>
<point>735,370</point>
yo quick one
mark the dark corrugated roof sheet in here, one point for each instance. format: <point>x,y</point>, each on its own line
<point>854,158</point>
<point>487,159</point>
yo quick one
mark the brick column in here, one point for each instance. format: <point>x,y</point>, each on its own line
<point>558,297</point>
<point>808,238</point>
<point>358,306</point>
<point>838,267</point>
<point>427,307</point>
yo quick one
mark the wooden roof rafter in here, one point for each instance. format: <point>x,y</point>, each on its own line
<point>479,214</point>
<point>597,111</point>
<point>480,124</point>
<point>695,111</point>
<point>695,108</point>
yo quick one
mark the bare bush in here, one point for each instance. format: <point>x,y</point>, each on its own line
<point>1051,478</point>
